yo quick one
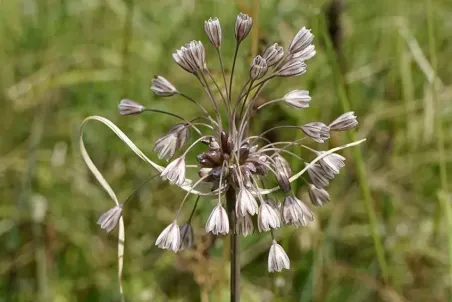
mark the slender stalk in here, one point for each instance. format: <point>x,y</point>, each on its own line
<point>444,199</point>
<point>232,71</point>
<point>234,247</point>
<point>361,170</point>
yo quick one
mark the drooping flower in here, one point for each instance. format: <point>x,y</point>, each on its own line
<point>244,225</point>
<point>186,236</point>
<point>175,171</point>
<point>169,238</point>
<point>245,203</point>
<point>277,258</point>
<point>318,196</point>
<point>268,218</point>
<point>298,98</point>
<point>218,221</point>
<point>162,87</point>
<point>344,122</point>
<point>109,220</point>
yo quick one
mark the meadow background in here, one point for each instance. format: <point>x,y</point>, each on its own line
<point>386,235</point>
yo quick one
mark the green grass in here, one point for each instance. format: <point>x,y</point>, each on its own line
<point>384,237</point>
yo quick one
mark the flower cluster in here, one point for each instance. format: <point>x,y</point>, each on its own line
<point>235,163</point>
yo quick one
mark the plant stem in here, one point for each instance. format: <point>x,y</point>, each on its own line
<point>234,247</point>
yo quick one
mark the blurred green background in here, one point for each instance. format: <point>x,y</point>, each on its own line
<point>64,60</point>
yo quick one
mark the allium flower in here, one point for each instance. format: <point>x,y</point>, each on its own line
<point>318,196</point>
<point>344,122</point>
<point>298,98</point>
<point>277,258</point>
<point>218,222</point>
<point>244,225</point>
<point>186,236</point>
<point>301,40</point>
<point>318,131</point>
<point>109,220</point>
<point>175,171</point>
<point>162,87</point>
<point>258,68</point>
<point>243,26</point>
<point>127,107</point>
<point>268,218</point>
<point>246,203</point>
<point>273,54</point>
<point>295,212</point>
<point>234,166</point>
<point>213,31</point>
<point>167,145</point>
<point>169,238</point>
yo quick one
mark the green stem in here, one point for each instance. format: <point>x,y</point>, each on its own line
<point>234,247</point>
<point>361,170</point>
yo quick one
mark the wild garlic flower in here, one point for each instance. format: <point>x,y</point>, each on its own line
<point>240,170</point>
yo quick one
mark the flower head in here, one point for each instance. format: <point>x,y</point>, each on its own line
<point>169,238</point>
<point>277,258</point>
<point>109,220</point>
<point>232,163</point>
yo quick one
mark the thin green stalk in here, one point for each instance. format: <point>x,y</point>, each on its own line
<point>361,171</point>
<point>234,247</point>
<point>444,200</point>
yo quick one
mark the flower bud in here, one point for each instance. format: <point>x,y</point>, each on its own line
<point>162,87</point>
<point>318,131</point>
<point>127,107</point>
<point>243,26</point>
<point>258,68</point>
<point>301,40</point>
<point>273,54</point>
<point>213,31</point>
<point>298,98</point>
<point>291,67</point>
<point>344,122</point>
<point>318,196</point>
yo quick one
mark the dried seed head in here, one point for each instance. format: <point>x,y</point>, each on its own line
<point>213,30</point>
<point>169,238</point>
<point>318,196</point>
<point>268,218</point>
<point>243,26</point>
<point>297,98</point>
<point>197,54</point>
<point>186,236</point>
<point>127,107</point>
<point>218,222</point>
<point>318,131</point>
<point>273,54</point>
<point>318,176</point>
<point>244,225</point>
<point>292,67</point>
<point>175,171</point>
<point>332,163</point>
<point>183,59</point>
<point>301,40</point>
<point>344,122</point>
<point>109,220</point>
<point>277,258</point>
<point>246,203</point>
<point>162,87</point>
<point>295,212</point>
<point>258,68</point>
